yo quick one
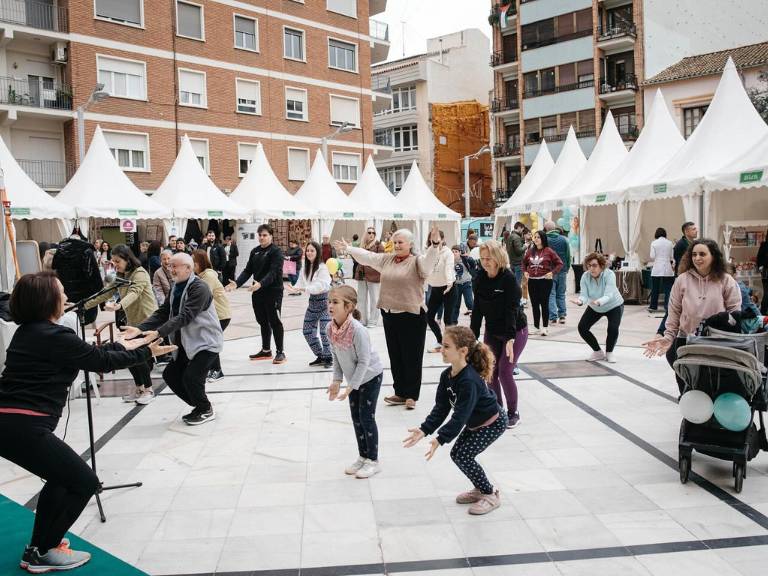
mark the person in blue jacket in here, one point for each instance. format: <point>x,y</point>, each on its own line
<point>599,293</point>
<point>558,243</point>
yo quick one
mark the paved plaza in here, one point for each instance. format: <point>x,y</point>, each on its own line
<point>589,481</point>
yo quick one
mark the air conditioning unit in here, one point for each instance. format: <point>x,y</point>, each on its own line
<point>59,53</point>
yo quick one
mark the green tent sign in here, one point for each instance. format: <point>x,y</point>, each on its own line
<point>397,216</point>
<point>601,198</point>
<point>215,214</point>
<point>442,216</point>
<point>659,188</point>
<point>754,176</point>
<point>20,211</point>
<point>348,215</point>
<point>127,213</point>
<point>289,214</point>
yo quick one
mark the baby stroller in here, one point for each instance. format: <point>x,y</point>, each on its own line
<point>716,362</point>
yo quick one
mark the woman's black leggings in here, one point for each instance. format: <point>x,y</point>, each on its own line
<point>538,290</point>
<point>433,305</point>
<point>142,374</point>
<point>590,318</point>
<point>266,308</point>
<point>217,362</point>
<point>29,442</point>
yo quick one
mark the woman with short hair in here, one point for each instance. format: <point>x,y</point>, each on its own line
<point>663,272</point>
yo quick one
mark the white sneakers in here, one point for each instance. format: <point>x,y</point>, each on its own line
<point>352,469</point>
<point>610,357</point>
<point>543,332</point>
<point>363,468</point>
<point>596,356</point>
<point>140,395</point>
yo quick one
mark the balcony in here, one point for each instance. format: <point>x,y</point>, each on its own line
<point>502,62</point>
<point>628,132</point>
<point>48,174</point>
<point>621,89</point>
<point>503,152</point>
<point>39,15</point>
<point>376,7</point>
<point>558,89</point>
<point>503,20</point>
<point>379,31</point>
<point>536,139</point>
<point>504,106</point>
<point>501,195</point>
<point>531,44</point>
<point>40,94</point>
<point>616,38</point>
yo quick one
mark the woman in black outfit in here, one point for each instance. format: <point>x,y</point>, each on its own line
<point>43,360</point>
<point>265,265</point>
<point>762,264</point>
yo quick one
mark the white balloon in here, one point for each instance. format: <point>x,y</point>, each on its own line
<point>696,406</point>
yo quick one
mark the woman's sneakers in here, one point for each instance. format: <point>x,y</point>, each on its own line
<point>363,468</point>
<point>279,358</point>
<point>59,558</point>
<point>326,362</point>
<point>353,468</point>
<point>214,376</point>
<point>261,355</point>
<point>133,396</point>
<point>513,419</point>
<point>140,395</point>
<point>597,356</point>
<point>480,503</point>
<point>610,357</point>
<point>543,331</point>
<point>197,417</point>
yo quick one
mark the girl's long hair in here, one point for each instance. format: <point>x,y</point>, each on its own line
<point>479,356</point>
<point>348,295</point>
<point>717,271</point>
<point>310,268</point>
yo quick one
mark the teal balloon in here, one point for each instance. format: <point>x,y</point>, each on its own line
<point>561,222</point>
<point>567,213</point>
<point>732,412</point>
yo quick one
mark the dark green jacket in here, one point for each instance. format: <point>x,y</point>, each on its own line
<point>515,248</point>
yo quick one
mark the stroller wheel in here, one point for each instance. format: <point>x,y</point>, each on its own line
<point>739,472</point>
<point>684,464</point>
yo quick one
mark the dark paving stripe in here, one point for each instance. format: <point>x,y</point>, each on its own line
<point>642,385</point>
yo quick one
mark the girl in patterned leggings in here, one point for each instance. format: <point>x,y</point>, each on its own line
<point>477,419</point>
<point>315,279</point>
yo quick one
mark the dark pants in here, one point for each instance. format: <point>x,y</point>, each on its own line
<point>539,290</point>
<point>142,374</point>
<point>405,345</point>
<point>660,285</point>
<point>186,377</point>
<point>590,318</point>
<point>469,444</point>
<point>266,308</point>
<point>503,378</point>
<point>362,405</point>
<point>439,298</point>
<point>228,274</point>
<point>764,302</point>
<point>29,442</point>
<point>217,362</point>
<point>672,356</point>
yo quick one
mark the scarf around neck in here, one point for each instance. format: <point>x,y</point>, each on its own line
<point>342,336</point>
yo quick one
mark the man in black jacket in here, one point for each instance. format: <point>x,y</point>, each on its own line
<point>230,260</point>
<point>690,232</point>
<point>215,252</point>
<point>265,266</point>
<point>76,266</point>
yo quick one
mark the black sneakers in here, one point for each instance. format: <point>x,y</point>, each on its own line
<point>261,355</point>
<point>279,358</point>
<point>214,376</point>
<point>317,362</point>
<point>197,417</point>
<point>514,419</point>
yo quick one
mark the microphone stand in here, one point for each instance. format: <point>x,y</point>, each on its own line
<point>79,309</point>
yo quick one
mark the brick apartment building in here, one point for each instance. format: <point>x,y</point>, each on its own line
<point>228,73</point>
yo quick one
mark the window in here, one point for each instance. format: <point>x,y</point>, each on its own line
<point>123,78</point>
<point>293,44</point>
<point>584,20</point>
<point>200,146</point>
<point>382,137</point>
<point>246,33</point>
<point>189,20</point>
<point>342,55</point>
<point>345,110</point>
<point>547,80</point>
<point>245,155</point>
<point>405,138</point>
<point>691,118</point>
<point>531,82</point>
<point>394,177</point>
<point>345,7</point>
<point>567,74</point>
<point>248,96</point>
<point>192,88</point>
<point>130,149</point>
<point>346,167</point>
<point>298,163</point>
<point>586,72</point>
<point>403,99</point>
<point>565,24</point>
<point>549,127</point>
<point>295,104</point>
<point>124,11</point>
<point>586,121</point>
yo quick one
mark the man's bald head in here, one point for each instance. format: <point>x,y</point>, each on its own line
<point>181,267</point>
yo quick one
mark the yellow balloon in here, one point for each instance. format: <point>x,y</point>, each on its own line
<point>333,266</point>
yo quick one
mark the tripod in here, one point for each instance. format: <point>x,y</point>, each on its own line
<point>79,309</point>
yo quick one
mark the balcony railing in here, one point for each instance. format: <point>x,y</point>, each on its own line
<point>35,15</point>
<point>587,133</point>
<point>629,132</point>
<point>48,174</point>
<point>555,40</point>
<point>627,82</point>
<point>558,89</point>
<point>381,84</point>
<point>504,104</point>
<point>379,30</point>
<point>616,31</point>
<point>505,150</point>
<point>36,94</point>
<point>501,195</point>
<point>500,57</point>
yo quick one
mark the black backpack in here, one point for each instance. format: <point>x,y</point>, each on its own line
<point>75,265</point>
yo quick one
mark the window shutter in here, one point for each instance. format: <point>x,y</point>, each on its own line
<point>122,10</point>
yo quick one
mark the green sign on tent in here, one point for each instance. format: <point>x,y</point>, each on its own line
<point>601,198</point>
<point>659,188</point>
<point>288,214</point>
<point>348,215</point>
<point>754,176</point>
<point>397,216</point>
<point>20,211</point>
<point>215,214</point>
<point>127,213</point>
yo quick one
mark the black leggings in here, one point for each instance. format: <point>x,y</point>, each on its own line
<point>437,298</point>
<point>590,318</point>
<point>538,290</point>
<point>217,362</point>
<point>362,406</point>
<point>29,442</point>
<point>142,374</point>
<point>266,308</point>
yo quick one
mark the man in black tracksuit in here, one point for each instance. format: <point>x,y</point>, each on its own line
<point>215,252</point>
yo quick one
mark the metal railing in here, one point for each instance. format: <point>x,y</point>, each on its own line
<point>381,84</point>
<point>505,150</point>
<point>556,39</point>
<point>35,15</point>
<point>48,174</point>
<point>501,195</point>
<point>629,132</point>
<point>504,104</point>
<point>558,137</point>
<point>626,82</point>
<point>558,89</point>
<point>500,57</point>
<point>37,94</point>
<point>378,30</point>
<point>616,31</point>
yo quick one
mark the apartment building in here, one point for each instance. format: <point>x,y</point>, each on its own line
<point>453,70</point>
<point>561,63</point>
<point>230,74</point>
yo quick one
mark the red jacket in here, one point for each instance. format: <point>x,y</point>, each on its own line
<point>539,263</point>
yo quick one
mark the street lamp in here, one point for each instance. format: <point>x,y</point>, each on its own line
<point>484,150</point>
<point>343,129</point>
<point>97,95</point>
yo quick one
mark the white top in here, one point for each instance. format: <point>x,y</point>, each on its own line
<point>662,254</point>
<point>320,283</point>
<point>443,273</point>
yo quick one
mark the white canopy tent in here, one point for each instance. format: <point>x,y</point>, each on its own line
<point>188,192</point>
<point>418,197</point>
<point>261,193</point>
<point>384,206</point>
<point>321,193</point>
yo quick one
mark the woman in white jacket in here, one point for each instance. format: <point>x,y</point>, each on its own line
<point>662,273</point>
<point>315,279</point>
<point>440,282</point>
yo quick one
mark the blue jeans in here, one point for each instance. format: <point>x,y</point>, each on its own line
<point>557,296</point>
<point>460,289</point>
<point>517,269</point>
<point>660,285</point>
<point>293,278</point>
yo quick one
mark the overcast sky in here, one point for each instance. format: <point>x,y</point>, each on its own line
<point>429,18</point>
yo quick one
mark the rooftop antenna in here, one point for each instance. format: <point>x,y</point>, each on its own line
<point>402,22</point>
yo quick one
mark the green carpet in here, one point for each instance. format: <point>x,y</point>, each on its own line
<point>15,529</point>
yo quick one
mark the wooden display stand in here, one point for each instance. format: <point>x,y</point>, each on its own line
<point>742,239</point>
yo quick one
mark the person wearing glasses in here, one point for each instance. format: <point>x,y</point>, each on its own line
<point>369,282</point>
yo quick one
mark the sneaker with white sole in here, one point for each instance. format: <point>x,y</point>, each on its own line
<point>543,332</point>
<point>486,503</point>
<point>146,397</point>
<point>370,467</point>
<point>352,469</point>
<point>533,331</point>
<point>56,559</point>
<point>597,356</point>
<point>197,417</point>
<point>133,396</point>
<point>610,357</point>
<point>469,497</point>
<point>214,376</point>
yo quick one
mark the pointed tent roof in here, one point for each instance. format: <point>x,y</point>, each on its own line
<point>321,193</point>
<point>100,188</point>
<point>417,196</point>
<point>608,153</point>
<point>748,171</point>
<point>730,128</point>
<point>658,142</point>
<point>28,200</point>
<point>261,193</point>
<point>372,193</point>
<point>189,193</point>
<point>539,170</point>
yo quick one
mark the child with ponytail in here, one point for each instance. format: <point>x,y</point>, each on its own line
<point>477,419</point>
<point>355,360</point>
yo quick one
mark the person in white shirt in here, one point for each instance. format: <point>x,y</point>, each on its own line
<point>440,282</point>
<point>315,279</point>
<point>662,273</point>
